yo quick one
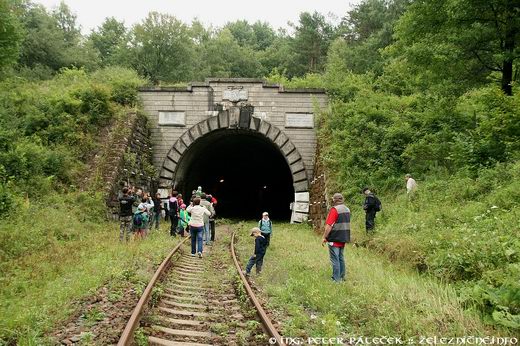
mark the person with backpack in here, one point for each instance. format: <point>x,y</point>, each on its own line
<point>126,201</point>
<point>140,221</point>
<point>372,205</point>
<point>336,235</point>
<point>184,218</point>
<point>266,227</point>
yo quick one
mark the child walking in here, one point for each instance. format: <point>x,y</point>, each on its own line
<point>184,218</point>
<point>258,257</point>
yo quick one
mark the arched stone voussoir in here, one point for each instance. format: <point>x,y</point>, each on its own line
<point>169,166</point>
<point>173,155</point>
<point>273,133</point>
<point>213,123</point>
<point>302,186</point>
<point>221,121</point>
<point>281,140</point>
<point>264,127</point>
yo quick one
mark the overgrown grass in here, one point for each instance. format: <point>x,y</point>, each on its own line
<point>378,298</point>
<point>58,251</point>
<point>460,230</point>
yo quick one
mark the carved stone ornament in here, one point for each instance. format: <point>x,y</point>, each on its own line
<point>235,94</point>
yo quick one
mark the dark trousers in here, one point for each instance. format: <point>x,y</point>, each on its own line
<point>267,237</point>
<point>212,229</point>
<point>370,220</point>
<point>175,221</point>
<point>258,260</point>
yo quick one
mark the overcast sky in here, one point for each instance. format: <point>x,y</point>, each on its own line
<point>91,13</point>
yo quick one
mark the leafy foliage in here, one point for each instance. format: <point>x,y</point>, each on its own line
<point>49,128</point>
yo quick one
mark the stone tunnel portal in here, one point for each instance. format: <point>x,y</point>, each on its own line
<point>250,143</point>
<point>244,170</point>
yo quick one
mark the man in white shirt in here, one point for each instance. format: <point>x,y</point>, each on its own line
<point>411,184</point>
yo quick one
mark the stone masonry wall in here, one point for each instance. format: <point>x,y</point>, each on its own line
<point>199,100</point>
<point>126,159</point>
<point>319,197</point>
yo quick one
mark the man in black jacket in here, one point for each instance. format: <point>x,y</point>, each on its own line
<point>126,201</point>
<point>371,207</point>
<point>336,235</point>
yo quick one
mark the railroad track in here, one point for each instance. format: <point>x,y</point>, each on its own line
<point>198,302</point>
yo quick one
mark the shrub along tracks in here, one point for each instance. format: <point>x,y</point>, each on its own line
<point>199,301</point>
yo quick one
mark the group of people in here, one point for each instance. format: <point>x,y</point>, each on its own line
<point>199,220</point>
<point>337,225</point>
<point>138,212</point>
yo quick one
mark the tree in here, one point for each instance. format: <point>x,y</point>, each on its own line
<point>10,34</point>
<point>111,40</point>
<point>258,36</point>
<point>162,49</point>
<point>66,22</point>
<point>226,58</point>
<point>312,38</point>
<point>53,40</point>
<point>367,29</point>
<point>463,39</point>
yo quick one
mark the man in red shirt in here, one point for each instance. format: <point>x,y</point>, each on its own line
<point>337,233</point>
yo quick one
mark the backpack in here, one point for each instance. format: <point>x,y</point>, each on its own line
<point>378,207</point>
<point>138,220</point>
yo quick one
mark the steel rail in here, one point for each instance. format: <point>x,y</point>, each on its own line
<point>127,336</point>
<point>266,321</point>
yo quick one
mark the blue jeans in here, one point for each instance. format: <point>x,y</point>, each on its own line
<point>196,239</point>
<point>207,233</point>
<point>338,263</point>
<point>258,260</point>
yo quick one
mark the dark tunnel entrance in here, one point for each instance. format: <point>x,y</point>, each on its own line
<point>244,170</point>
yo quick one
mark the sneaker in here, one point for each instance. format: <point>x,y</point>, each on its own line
<point>247,274</point>
<point>192,255</point>
<point>200,254</point>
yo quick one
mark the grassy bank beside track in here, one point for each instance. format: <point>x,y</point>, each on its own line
<point>379,297</point>
<point>43,285</point>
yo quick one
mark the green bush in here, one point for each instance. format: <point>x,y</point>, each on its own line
<point>48,128</point>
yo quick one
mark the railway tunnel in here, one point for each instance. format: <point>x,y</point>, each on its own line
<point>249,143</point>
<point>244,170</point>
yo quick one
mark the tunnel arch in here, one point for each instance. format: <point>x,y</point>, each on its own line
<point>239,125</point>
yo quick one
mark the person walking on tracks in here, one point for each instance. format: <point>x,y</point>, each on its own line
<point>266,227</point>
<point>260,248</point>
<point>336,235</point>
<point>126,201</point>
<point>197,225</point>
<point>184,218</point>
<point>207,204</point>
<point>371,206</point>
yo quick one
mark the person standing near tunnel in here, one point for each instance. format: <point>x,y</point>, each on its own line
<point>206,204</point>
<point>336,235</point>
<point>196,223</point>
<point>266,227</point>
<point>173,210</point>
